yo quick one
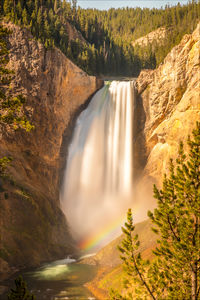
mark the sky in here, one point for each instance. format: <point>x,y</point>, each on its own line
<point>106,4</point>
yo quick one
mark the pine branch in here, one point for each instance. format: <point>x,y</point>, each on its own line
<point>142,279</point>
<point>172,230</point>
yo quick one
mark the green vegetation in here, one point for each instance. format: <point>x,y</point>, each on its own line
<point>21,292</point>
<point>115,275</point>
<point>12,109</point>
<point>174,273</point>
<point>4,162</point>
<point>123,26</point>
<point>107,49</point>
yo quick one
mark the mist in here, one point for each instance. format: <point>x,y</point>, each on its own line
<point>98,185</point>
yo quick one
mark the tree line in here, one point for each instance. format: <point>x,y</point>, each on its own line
<point>107,49</point>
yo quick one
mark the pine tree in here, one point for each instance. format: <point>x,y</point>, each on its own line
<point>25,17</point>
<point>177,219</point>
<point>40,18</point>
<point>19,10</point>
<point>135,267</point>
<point>55,6</point>
<point>74,5</point>
<point>7,7</point>
<point>102,28</point>
<point>175,271</point>
<point>20,292</point>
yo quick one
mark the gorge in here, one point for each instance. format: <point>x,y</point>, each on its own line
<point>167,108</point>
<point>142,133</point>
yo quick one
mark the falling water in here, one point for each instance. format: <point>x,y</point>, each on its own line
<point>98,177</point>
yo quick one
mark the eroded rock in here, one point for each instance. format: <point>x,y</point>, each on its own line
<point>33,228</point>
<point>170,96</point>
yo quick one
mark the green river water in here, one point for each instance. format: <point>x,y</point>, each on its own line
<point>59,280</point>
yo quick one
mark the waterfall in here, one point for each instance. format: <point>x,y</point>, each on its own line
<point>99,173</point>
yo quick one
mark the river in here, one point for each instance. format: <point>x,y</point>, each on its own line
<point>59,280</point>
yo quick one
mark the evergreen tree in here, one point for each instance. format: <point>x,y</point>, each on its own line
<point>19,10</point>
<point>20,292</point>
<point>135,267</point>
<point>175,271</point>
<point>177,219</point>
<point>55,6</point>
<point>40,20</point>
<point>7,7</point>
<point>111,32</point>
<point>25,17</point>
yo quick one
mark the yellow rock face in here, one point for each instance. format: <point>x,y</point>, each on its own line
<point>171,104</point>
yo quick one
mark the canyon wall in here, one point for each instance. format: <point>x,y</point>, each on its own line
<point>166,110</point>
<point>33,228</point>
<point>168,106</point>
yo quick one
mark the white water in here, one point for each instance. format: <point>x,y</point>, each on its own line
<point>98,178</point>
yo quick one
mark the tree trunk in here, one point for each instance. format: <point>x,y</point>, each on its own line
<point>194,282</point>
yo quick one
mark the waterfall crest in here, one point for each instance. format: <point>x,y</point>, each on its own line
<point>98,177</point>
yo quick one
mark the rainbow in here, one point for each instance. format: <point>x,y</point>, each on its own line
<point>95,239</point>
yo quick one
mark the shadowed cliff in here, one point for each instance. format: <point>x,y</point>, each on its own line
<point>33,228</point>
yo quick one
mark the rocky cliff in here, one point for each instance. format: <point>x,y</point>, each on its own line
<point>166,110</point>
<point>157,35</point>
<point>33,228</point>
<point>168,106</point>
